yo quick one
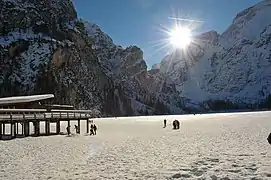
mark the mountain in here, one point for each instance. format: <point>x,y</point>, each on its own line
<point>45,48</point>
<point>228,70</point>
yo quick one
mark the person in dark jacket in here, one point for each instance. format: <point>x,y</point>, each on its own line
<point>68,128</point>
<point>91,130</point>
<point>94,129</point>
<point>176,124</point>
<point>165,123</point>
<point>269,138</point>
<point>76,129</point>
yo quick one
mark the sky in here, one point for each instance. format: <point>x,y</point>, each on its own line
<point>139,22</point>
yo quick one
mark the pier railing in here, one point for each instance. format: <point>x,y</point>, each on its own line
<point>42,114</point>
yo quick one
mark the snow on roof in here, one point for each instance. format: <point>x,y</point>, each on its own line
<point>24,99</point>
<point>59,106</point>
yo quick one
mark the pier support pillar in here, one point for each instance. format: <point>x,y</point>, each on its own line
<point>11,130</point>
<point>37,128</point>
<point>78,123</point>
<point>0,131</point>
<point>58,127</point>
<point>26,129</point>
<point>22,124</point>
<point>47,128</point>
<point>17,129</point>
<point>14,130</point>
<point>4,129</point>
<point>87,126</point>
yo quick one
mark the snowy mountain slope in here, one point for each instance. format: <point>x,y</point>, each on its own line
<point>126,66</point>
<point>234,66</point>
<point>44,49</point>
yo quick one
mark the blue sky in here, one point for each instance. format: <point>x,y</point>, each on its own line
<point>138,22</point>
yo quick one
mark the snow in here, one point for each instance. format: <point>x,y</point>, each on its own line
<point>37,55</point>
<point>210,146</point>
<point>22,99</point>
<point>72,25</point>
<point>27,35</point>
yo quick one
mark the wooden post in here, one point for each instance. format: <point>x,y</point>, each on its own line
<point>58,126</point>
<point>79,126</point>
<point>0,131</point>
<point>22,128</point>
<point>11,129</point>
<point>26,128</point>
<point>47,127</point>
<point>17,130</point>
<point>4,128</point>
<point>37,127</point>
<point>14,126</point>
<point>69,124</point>
<point>87,126</point>
<point>23,124</point>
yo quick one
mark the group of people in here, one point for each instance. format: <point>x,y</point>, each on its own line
<point>176,124</point>
<point>93,129</point>
<point>68,129</point>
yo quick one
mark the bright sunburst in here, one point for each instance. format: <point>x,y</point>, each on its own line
<point>180,37</point>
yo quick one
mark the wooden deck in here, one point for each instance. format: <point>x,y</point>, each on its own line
<point>23,118</point>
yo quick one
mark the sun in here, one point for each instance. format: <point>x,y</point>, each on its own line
<point>180,37</point>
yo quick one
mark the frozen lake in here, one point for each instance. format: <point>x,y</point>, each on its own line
<point>210,146</point>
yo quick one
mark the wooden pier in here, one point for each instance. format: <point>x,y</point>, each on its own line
<point>22,118</point>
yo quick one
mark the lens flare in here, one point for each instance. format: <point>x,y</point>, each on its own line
<point>180,37</point>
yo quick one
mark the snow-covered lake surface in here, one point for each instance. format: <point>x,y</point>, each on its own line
<point>211,146</point>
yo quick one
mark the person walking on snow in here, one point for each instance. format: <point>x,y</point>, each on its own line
<point>91,130</point>
<point>68,130</point>
<point>95,129</point>
<point>165,123</point>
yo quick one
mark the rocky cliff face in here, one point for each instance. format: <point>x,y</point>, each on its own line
<point>44,49</point>
<point>233,67</point>
<point>128,68</point>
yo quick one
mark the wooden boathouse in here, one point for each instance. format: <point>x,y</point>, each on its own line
<point>18,113</point>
